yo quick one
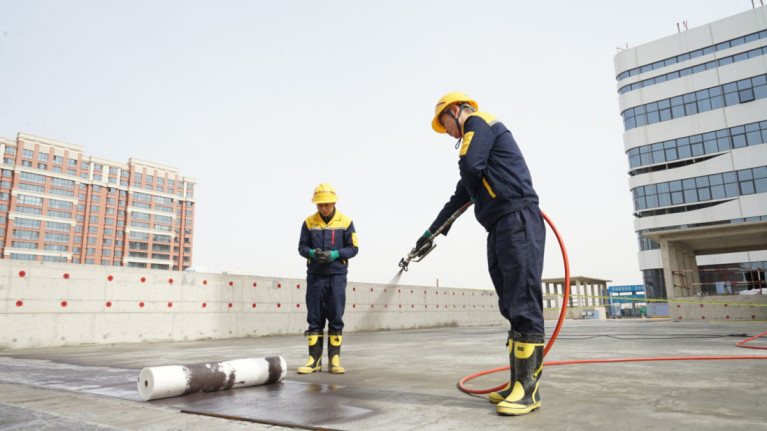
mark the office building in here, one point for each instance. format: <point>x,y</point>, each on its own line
<point>59,205</point>
<point>694,111</point>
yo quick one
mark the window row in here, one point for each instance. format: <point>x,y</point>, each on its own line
<point>701,189</point>
<point>694,69</point>
<point>693,54</point>
<point>698,145</point>
<point>733,93</point>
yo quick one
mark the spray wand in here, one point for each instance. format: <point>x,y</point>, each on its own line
<point>429,245</point>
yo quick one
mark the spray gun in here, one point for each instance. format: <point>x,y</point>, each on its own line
<point>429,245</point>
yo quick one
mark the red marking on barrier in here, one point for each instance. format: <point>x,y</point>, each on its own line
<point>66,276</point>
<point>399,290</point>
<point>701,305</point>
<point>143,279</point>
<point>678,306</point>
<point>371,289</point>
<point>354,305</point>
<point>231,283</point>
<point>400,306</point>
<point>463,293</point>
<point>204,282</point>
<point>110,278</point>
<point>354,289</point>
<point>412,306</point>
<point>298,286</point>
<point>170,304</point>
<point>464,305</point>
<point>680,317</point>
<point>371,305</point>
<point>411,290</point>
<point>437,305</point>
<point>254,305</point>
<point>424,292</point>
<point>279,285</point>
<point>19,303</point>
<point>386,305</point>
<point>703,317</point>
<point>384,290</point>
<point>63,303</point>
<point>170,280</point>
<point>453,293</point>
<point>204,304</point>
<point>727,316</point>
<point>254,284</point>
<point>22,273</point>
<point>109,304</point>
<point>436,293</point>
<point>425,306</point>
<point>279,305</point>
<point>725,305</point>
<point>230,305</point>
<point>753,317</point>
<point>141,304</point>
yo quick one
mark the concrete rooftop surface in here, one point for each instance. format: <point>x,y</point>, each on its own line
<point>407,380</point>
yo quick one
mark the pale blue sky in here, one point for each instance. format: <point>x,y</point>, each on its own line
<point>278,96</point>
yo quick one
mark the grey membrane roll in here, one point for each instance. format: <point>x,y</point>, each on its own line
<point>176,380</point>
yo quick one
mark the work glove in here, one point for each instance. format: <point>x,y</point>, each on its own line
<point>322,256</point>
<point>334,255</point>
<point>424,242</point>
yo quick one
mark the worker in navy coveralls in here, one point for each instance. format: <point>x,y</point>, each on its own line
<point>495,177</point>
<point>328,241</point>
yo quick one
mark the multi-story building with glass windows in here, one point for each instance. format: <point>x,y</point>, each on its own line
<point>694,110</point>
<point>59,205</point>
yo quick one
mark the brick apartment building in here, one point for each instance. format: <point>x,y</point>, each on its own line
<point>59,205</point>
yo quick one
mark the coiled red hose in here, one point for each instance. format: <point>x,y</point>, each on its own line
<point>461,383</point>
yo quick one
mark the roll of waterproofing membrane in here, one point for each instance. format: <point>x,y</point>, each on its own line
<point>176,380</point>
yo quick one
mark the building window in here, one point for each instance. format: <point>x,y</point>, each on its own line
<point>700,189</point>
<point>729,94</point>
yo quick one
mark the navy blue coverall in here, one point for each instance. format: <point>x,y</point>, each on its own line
<point>495,177</point>
<point>326,282</point>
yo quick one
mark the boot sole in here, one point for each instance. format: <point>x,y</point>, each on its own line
<point>517,411</point>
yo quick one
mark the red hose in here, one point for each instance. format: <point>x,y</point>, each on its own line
<point>463,388</point>
<point>554,335</point>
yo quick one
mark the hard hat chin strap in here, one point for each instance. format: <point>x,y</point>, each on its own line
<point>457,125</point>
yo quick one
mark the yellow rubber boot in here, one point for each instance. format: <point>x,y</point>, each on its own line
<point>315,353</point>
<point>497,397</point>
<point>334,352</point>
<point>528,366</point>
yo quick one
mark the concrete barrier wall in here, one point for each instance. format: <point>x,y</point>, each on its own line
<point>720,308</point>
<point>44,304</point>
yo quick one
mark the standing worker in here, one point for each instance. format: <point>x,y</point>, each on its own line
<point>495,177</point>
<point>328,241</point>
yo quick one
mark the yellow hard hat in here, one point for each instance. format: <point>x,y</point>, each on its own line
<point>447,100</point>
<point>324,194</point>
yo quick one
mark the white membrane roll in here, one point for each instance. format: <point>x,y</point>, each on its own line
<point>175,380</point>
